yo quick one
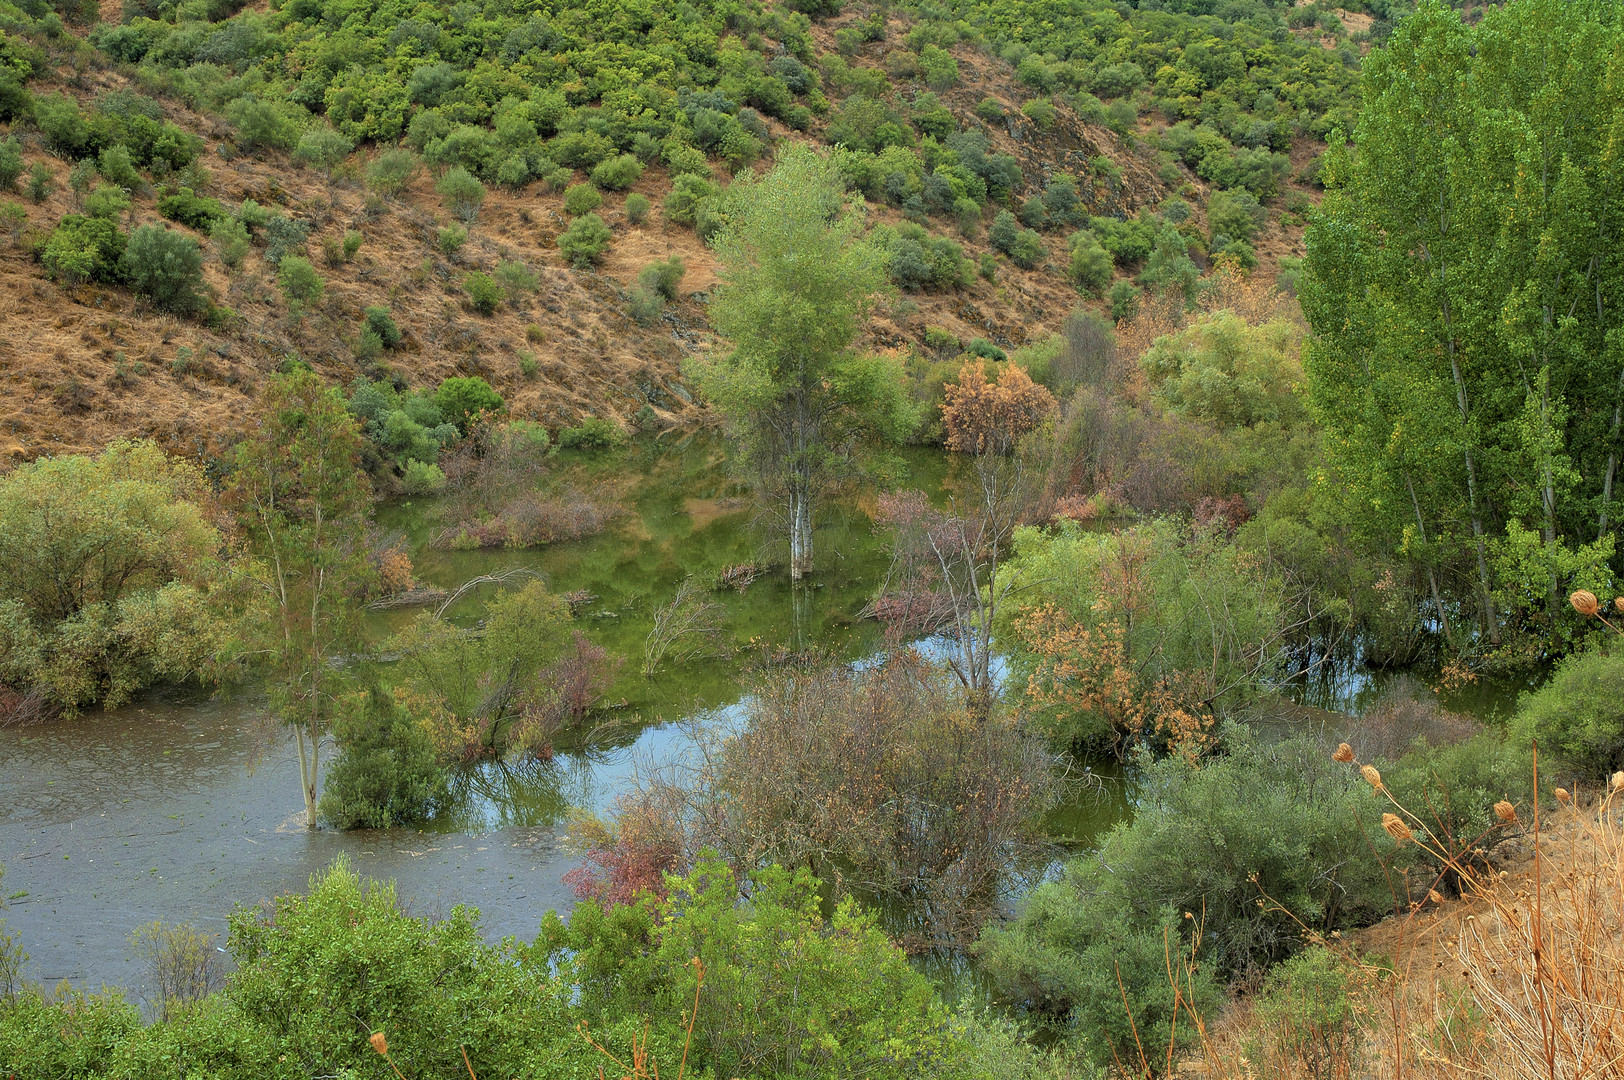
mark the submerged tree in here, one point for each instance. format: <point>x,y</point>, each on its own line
<point>302,502</point>
<point>944,576</point>
<point>797,278</point>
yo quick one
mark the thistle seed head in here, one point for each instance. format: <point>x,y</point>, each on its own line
<point>1562,795</point>
<point>1344,753</point>
<point>379,1043</point>
<point>1505,811</point>
<point>1395,827</point>
<point>1584,602</point>
<point>1371,775</point>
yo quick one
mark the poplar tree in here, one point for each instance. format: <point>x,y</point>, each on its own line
<point>797,278</point>
<point>1467,361</point>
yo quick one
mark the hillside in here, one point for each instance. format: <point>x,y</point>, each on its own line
<point>85,360</point>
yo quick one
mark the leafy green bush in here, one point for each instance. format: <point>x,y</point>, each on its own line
<point>582,199</point>
<point>140,617</point>
<point>663,278</point>
<point>986,350</point>
<point>1305,1010</point>
<point>309,968</point>
<point>300,283</point>
<point>322,147</point>
<point>380,322</point>
<point>391,171</point>
<point>1229,372</point>
<point>1578,715</point>
<point>585,241</point>
<point>618,173</point>
<point>460,399</point>
<point>11,162</point>
<point>787,992</point>
<point>463,194</point>
<point>516,278</point>
<point>40,182</point>
<point>450,238</point>
<point>386,774</point>
<point>483,292</point>
<point>262,123</point>
<point>230,239</point>
<point>1210,839</point>
<point>284,236</point>
<point>688,194</point>
<point>1236,215</point>
<point>1040,111</point>
<point>190,210</point>
<point>644,305</point>
<point>1124,297</point>
<point>1090,267</point>
<point>592,433</point>
<point>166,267</point>
<point>84,249</point>
<point>637,208</point>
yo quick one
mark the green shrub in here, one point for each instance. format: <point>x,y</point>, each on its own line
<point>688,194</point>
<point>812,996</point>
<point>941,340</point>
<point>483,292</point>
<point>191,210</point>
<point>1210,838</point>
<point>1027,249</point>
<point>166,267</point>
<point>300,283</point>
<point>309,968</point>
<point>1090,268</point>
<point>528,365</point>
<point>582,199</point>
<point>107,201</point>
<point>1305,1011</point>
<point>262,123</point>
<point>460,399</point>
<point>450,238</point>
<point>391,171</point>
<point>618,173</point>
<point>986,350</point>
<point>967,212</point>
<point>664,277</point>
<point>463,194</point>
<point>283,237</point>
<point>141,617</point>
<point>386,775</point>
<point>592,433</point>
<point>380,322</point>
<point>1236,215</point>
<point>990,110</point>
<point>11,162</point>
<point>1040,111</point>
<point>352,242</point>
<point>1124,298</point>
<point>40,182</point>
<point>65,1033</point>
<point>517,279</point>
<point>585,241</point>
<point>644,305</point>
<point>322,148</point>
<point>637,208</point>
<point>230,239</point>
<point>1578,715</point>
<point>84,249</point>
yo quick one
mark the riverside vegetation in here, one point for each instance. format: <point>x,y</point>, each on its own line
<point>1149,528</point>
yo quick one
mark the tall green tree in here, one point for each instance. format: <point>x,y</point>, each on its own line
<point>797,278</point>
<point>1465,297</point>
<point>302,503</point>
